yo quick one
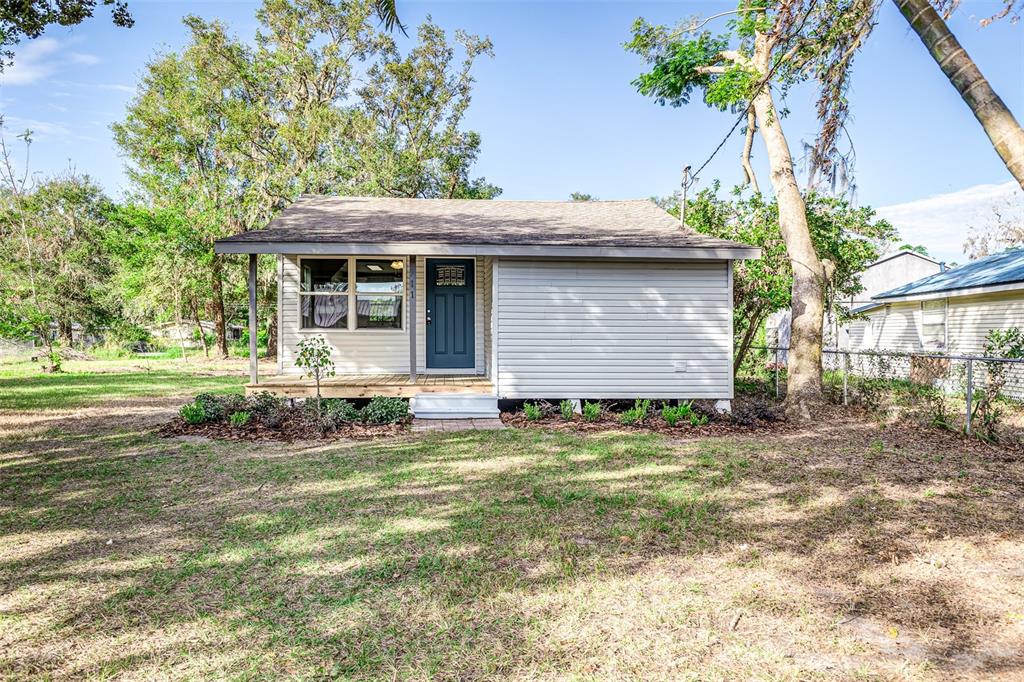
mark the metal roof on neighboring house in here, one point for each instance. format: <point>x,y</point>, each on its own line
<point>995,270</point>
<point>630,224</point>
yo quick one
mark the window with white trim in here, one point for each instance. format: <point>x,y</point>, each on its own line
<point>331,288</point>
<point>933,324</point>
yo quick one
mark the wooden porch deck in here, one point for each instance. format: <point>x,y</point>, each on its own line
<point>370,385</point>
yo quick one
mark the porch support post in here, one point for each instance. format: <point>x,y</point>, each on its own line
<point>253,361</point>
<point>412,319</point>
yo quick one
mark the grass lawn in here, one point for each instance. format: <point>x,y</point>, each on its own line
<point>843,551</point>
<point>94,382</point>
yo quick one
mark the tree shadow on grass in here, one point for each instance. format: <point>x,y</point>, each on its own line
<point>481,554</point>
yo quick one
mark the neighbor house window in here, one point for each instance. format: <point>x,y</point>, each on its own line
<point>933,324</point>
<point>332,287</point>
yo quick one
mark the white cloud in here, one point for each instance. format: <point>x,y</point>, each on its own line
<point>37,60</point>
<point>941,222</point>
<point>83,58</point>
<point>17,125</point>
<point>116,86</point>
<point>32,62</point>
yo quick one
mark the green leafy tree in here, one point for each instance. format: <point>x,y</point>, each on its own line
<point>846,237</point>
<point>767,47</point>
<point>228,132</point>
<point>53,262</point>
<point>914,248</point>
<point>160,261</point>
<point>582,196</point>
<point>407,137</point>
<point>314,357</point>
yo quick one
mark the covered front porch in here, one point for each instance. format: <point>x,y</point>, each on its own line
<point>371,385</point>
<point>403,349</point>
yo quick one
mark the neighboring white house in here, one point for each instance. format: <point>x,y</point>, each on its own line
<point>174,333</point>
<point>950,312</point>
<point>888,272</point>
<point>891,271</point>
<point>503,299</point>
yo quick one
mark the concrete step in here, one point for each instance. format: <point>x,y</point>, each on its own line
<point>454,406</point>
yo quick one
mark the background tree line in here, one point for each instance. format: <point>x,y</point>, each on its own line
<point>221,136</point>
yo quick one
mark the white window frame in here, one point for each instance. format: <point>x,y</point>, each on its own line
<point>352,316</point>
<point>945,319</point>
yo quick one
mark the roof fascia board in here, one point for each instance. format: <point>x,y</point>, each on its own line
<point>891,256</point>
<point>428,249</point>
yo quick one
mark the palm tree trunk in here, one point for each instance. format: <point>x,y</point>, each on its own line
<point>1001,127</point>
<point>804,388</point>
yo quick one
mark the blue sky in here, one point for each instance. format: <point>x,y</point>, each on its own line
<point>557,113</point>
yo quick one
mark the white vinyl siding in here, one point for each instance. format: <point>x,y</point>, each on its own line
<point>895,327</point>
<point>368,351</point>
<point>614,329</point>
<point>970,319</point>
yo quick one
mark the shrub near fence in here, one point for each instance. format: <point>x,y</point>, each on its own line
<point>968,392</point>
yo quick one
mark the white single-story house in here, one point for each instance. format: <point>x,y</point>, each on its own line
<point>888,272</point>
<point>175,333</point>
<point>949,312</point>
<point>498,299</point>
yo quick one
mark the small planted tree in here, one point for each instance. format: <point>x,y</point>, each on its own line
<point>315,360</point>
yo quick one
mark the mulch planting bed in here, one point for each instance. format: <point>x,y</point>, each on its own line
<point>749,414</point>
<point>288,431</point>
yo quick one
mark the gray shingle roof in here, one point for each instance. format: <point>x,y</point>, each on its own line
<point>363,220</point>
<point>1000,268</point>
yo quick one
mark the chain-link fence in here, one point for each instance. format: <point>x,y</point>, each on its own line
<point>956,390</point>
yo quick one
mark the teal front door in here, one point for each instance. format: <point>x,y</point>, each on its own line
<point>451,341</point>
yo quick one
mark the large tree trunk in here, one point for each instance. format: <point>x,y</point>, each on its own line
<point>272,337</point>
<point>803,389</point>
<point>1001,127</point>
<point>66,331</point>
<point>219,319</point>
<point>199,327</point>
<point>754,320</point>
<point>180,324</point>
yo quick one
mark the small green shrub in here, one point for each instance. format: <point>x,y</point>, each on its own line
<point>683,412</point>
<point>55,362</point>
<point>192,413</point>
<point>219,407</point>
<point>533,411</point>
<point>591,411</point>
<point>264,403</point>
<point>239,419</point>
<point>382,410</point>
<point>636,414</point>
<point>671,414</point>
<point>336,412</point>
<point>565,407</point>
<point>278,417</point>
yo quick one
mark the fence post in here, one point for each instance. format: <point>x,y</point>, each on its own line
<point>846,374</point>
<point>970,392</point>
<point>777,396</point>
